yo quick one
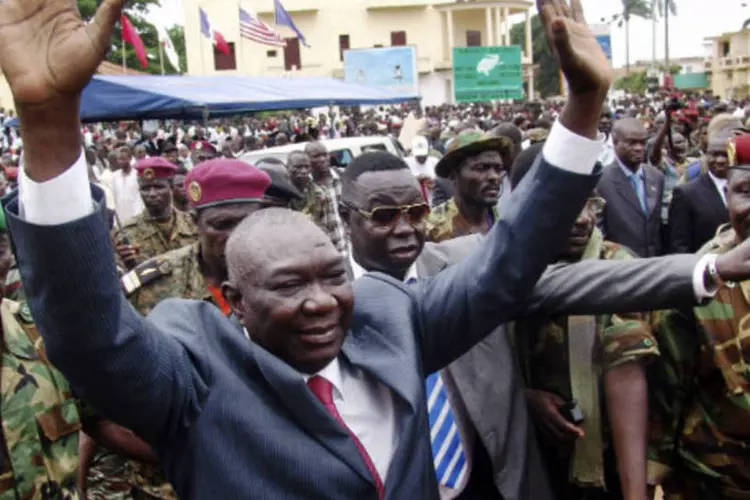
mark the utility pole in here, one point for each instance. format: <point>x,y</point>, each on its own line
<point>666,36</point>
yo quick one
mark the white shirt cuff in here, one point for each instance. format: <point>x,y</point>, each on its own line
<point>570,151</point>
<point>699,286</point>
<point>57,201</point>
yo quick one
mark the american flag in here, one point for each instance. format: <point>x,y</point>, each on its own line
<point>256,30</point>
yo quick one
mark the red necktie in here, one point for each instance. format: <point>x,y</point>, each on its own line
<point>323,390</point>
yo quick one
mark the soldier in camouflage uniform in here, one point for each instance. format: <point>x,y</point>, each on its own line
<point>700,389</point>
<point>160,227</point>
<point>40,417</point>
<point>474,162</point>
<point>559,370</point>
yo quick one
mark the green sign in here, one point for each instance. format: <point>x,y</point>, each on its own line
<point>487,73</point>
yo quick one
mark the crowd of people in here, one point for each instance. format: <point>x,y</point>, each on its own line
<point>536,301</point>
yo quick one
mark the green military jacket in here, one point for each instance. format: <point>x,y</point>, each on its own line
<point>445,222</point>
<point>543,351</point>
<point>175,274</point>
<point>40,417</point>
<point>154,238</point>
<point>700,393</point>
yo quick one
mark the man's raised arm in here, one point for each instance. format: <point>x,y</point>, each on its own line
<point>466,302</point>
<point>112,357</point>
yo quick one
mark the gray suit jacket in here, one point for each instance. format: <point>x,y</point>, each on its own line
<point>624,221</point>
<point>230,420</point>
<point>485,379</point>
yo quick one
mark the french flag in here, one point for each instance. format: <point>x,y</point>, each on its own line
<point>211,34</point>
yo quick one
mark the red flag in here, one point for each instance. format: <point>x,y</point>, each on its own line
<point>130,35</point>
<point>220,43</point>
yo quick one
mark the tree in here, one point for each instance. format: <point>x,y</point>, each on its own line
<point>548,77</point>
<point>634,83</point>
<point>630,9</point>
<point>666,8</point>
<point>136,10</point>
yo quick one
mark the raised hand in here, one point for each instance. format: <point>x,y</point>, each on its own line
<point>581,59</point>
<point>48,54</point>
<point>47,51</point>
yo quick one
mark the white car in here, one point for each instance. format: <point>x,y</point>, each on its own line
<point>342,151</point>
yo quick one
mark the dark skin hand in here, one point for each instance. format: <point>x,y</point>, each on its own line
<point>544,408</point>
<point>38,40</point>
<point>586,68</point>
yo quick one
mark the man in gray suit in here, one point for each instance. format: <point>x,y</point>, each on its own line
<point>633,191</point>
<point>486,401</point>
<point>323,396</point>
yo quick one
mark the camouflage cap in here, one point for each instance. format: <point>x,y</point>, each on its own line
<point>466,144</point>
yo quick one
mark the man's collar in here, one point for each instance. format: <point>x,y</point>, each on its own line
<point>359,271</point>
<point>629,173</point>
<point>716,180</point>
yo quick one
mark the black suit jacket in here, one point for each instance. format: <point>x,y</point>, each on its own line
<point>696,211</point>
<point>623,220</point>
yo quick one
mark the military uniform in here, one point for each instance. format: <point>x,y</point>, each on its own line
<point>445,222</point>
<point>543,350</point>
<point>700,395</point>
<point>155,238</point>
<point>40,417</point>
<point>175,274</point>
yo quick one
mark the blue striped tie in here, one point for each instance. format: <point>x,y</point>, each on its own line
<point>447,451</point>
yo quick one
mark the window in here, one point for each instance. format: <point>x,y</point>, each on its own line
<point>398,38</point>
<point>292,60</point>
<point>223,62</point>
<point>373,147</point>
<point>343,46</point>
<point>473,38</point>
<point>272,53</point>
<point>341,158</point>
<point>378,46</point>
<point>725,49</point>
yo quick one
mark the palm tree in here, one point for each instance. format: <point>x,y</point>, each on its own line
<point>630,8</point>
<point>666,8</point>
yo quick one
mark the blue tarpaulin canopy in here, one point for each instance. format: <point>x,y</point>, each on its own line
<point>109,98</point>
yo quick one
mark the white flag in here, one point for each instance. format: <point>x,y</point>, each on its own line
<point>168,47</point>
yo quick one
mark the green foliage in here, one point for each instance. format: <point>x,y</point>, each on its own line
<point>548,76</point>
<point>136,11</point>
<point>635,82</point>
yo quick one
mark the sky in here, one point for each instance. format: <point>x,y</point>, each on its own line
<point>696,19</point>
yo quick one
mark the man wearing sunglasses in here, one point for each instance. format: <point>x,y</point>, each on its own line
<point>385,214</point>
<point>323,398</point>
<point>474,164</point>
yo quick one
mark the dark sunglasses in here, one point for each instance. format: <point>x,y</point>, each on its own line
<point>388,216</point>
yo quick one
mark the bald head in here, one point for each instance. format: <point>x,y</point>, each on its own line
<point>257,241</point>
<point>627,126</point>
<point>629,137</point>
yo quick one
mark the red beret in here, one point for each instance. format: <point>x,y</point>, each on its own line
<point>739,152</point>
<point>222,181</point>
<point>203,146</point>
<point>155,168</point>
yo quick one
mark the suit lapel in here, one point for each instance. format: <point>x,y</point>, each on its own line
<point>653,195</point>
<point>625,188</point>
<point>307,410</point>
<point>713,197</point>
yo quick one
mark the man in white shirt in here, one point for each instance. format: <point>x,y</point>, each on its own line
<point>423,165</point>
<point>124,185</point>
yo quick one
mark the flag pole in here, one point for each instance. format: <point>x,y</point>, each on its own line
<point>124,54</point>
<point>161,57</point>
<point>240,45</point>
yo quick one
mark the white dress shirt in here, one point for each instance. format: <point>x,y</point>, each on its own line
<point>128,202</point>
<point>721,186</point>
<point>460,414</point>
